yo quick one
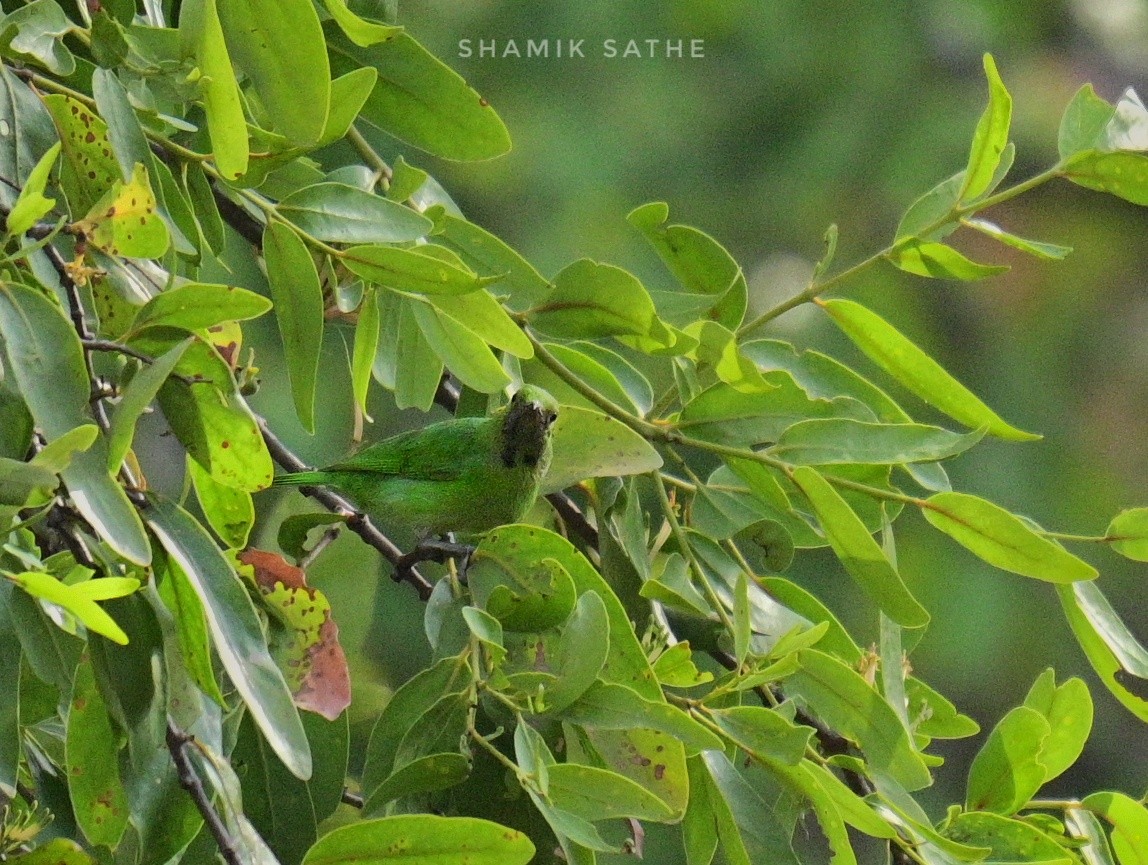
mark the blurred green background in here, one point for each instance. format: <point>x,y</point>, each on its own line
<point>801,114</point>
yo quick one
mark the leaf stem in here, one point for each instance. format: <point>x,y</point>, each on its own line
<point>615,411</point>
<point>688,551</point>
<point>957,212</point>
<point>370,156</point>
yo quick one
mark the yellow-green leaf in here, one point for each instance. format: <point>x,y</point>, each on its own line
<point>899,357</point>
<point>1003,539</point>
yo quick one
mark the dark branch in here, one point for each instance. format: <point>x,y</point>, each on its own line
<point>352,799</point>
<point>357,521</point>
<point>114,347</point>
<point>177,741</point>
<point>245,225</point>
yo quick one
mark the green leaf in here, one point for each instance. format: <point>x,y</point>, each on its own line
<point>283,809</point>
<point>523,593</point>
<point>31,204</point>
<point>461,350</point>
<point>592,300</point>
<point>39,30</point>
<point>851,706</point>
<point>699,826</point>
<point>490,256</point>
<point>1128,534</point>
<point>1094,849</point>
<point>1007,771</point>
<point>889,349</point>
<point>366,347</point>
<point>700,263</point>
<point>202,35</point>
<point>279,44</point>
<point>136,398</point>
<point>420,100</point>
<point>403,711</point>
<point>230,512</point>
<point>758,833</point>
<point>1046,251</point>
<point>361,31</point>
<point>1083,124</point>
<point>340,213</point>
<point>836,640</point>
<point>990,138</point>
<point>858,552</point>
<point>1118,657</point>
<point>1002,539</point>
<point>742,626</point>
<point>58,851</point>
<point>235,630</point>
<point>939,261</point>
<point>125,220</point>
<point>615,707</point>
<point>717,348</point>
<point>1010,840</point>
<point>203,205</point>
<point>825,441</point>
<point>199,306</point>
<point>931,216</point>
<point>210,417</point>
<point>589,444</point>
<point>1123,174</point>
<point>42,346</point>
<point>1129,821</point>
<point>422,839</point>
<point>298,298</point>
<point>97,793</point>
<point>722,414</point>
<point>675,667</point>
<point>348,95</point>
<point>934,716</point>
<point>91,615</point>
<point>1068,710</point>
<point>57,454</point>
<point>586,368</point>
<point>599,794</point>
<point>11,658</point>
<point>418,368</point>
<point>583,648</point>
<point>763,733</point>
<point>484,315</point>
<point>410,270</point>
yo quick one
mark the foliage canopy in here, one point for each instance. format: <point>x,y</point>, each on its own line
<point>635,655</point>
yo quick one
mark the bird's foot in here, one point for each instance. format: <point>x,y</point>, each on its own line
<point>436,550</point>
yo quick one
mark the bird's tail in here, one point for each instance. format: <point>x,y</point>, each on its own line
<point>297,479</point>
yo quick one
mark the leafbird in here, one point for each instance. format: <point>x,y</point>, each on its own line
<point>464,475</point>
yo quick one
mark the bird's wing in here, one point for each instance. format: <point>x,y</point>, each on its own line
<point>440,452</point>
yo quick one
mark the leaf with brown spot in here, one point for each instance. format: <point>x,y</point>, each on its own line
<point>125,221</point>
<point>88,169</point>
<point>305,644</point>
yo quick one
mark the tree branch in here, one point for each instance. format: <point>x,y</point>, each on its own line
<point>177,741</point>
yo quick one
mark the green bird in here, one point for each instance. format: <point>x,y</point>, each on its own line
<point>465,475</point>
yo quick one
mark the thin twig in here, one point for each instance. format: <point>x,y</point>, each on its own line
<point>324,541</point>
<point>357,521</point>
<point>177,741</point>
<point>114,347</point>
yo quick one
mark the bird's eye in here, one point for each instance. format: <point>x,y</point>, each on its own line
<point>553,416</point>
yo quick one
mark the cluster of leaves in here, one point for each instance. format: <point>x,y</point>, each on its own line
<point>155,666</point>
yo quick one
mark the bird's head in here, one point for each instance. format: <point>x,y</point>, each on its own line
<point>526,423</point>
